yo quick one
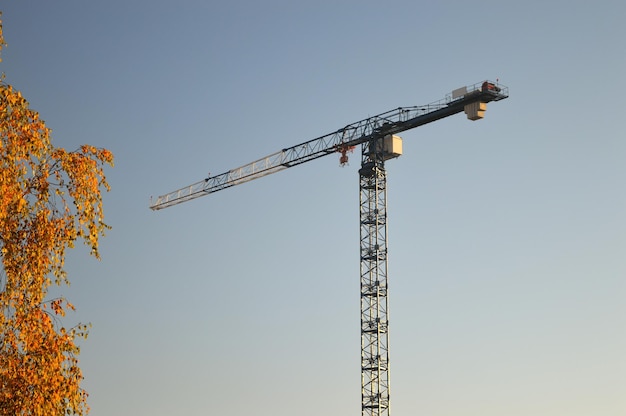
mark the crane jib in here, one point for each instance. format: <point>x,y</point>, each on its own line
<point>388,123</point>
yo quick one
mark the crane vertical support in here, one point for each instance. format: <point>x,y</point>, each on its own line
<point>373,253</point>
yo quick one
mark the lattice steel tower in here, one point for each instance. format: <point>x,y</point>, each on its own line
<point>374,305</point>
<point>376,136</point>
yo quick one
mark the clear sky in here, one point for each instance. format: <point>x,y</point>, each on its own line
<point>507,235</point>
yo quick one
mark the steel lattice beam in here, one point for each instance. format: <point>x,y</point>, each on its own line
<point>374,312</point>
<point>391,122</point>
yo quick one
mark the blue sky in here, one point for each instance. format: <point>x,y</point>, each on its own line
<point>506,235</point>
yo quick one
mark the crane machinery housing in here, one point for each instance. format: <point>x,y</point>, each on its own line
<point>379,143</point>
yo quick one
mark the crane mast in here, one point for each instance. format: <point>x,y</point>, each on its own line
<point>374,305</point>
<point>376,135</point>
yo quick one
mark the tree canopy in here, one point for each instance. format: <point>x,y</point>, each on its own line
<point>50,198</point>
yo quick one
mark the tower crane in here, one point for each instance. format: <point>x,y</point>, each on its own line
<point>377,137</point>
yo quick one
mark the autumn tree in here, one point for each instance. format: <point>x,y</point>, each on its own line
<point>49,199</point>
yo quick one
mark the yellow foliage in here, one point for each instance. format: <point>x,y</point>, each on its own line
<point>49,198</point>
<point>1,35</point>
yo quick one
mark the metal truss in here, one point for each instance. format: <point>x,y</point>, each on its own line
<point>374,312</point>
<point>360,132</point>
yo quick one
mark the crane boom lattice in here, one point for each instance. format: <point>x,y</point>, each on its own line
<point>391,122</point>
<point>376,135</point>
